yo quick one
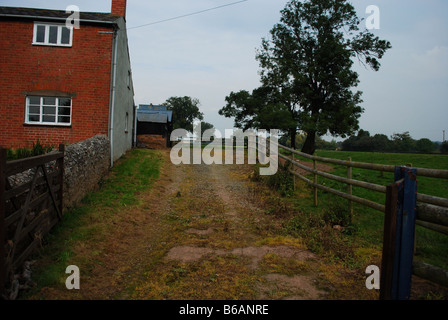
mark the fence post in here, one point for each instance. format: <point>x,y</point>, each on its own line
<point>315,181</point>
<point>350,187</point>
<point>61,178</point>
<point>405,235</point>
<point>293,168</point>
<point>2,220</point>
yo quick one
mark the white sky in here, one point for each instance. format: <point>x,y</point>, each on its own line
<point>206,56</point>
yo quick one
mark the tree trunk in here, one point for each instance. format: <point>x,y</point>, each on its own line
<point>310,143</point>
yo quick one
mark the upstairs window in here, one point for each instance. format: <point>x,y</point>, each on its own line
<point>52,35</point>
<point>48,110</point>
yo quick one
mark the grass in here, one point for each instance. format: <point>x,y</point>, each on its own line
<point>133,174</point>
<point>432,247</point>
<point>36,149</point>
<point>90,221</point>
<point>355,246</point>
<point>366,225</point>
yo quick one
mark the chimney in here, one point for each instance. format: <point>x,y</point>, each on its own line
<point>119,8</point>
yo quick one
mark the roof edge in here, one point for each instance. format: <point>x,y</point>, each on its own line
<point>42,14</point>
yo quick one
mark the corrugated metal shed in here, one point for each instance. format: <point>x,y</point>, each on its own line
<point>154,114</point>
<point>152,117</point>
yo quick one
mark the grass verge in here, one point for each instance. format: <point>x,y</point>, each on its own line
<point>354,240</point>
<point>431,246</point>
<point>90,222</point>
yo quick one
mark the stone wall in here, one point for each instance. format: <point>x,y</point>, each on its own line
<point>85,164</point>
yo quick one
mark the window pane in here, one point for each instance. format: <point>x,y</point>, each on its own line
<point>33,118</point>
<point>40,36</point>
<point>49,101</point>
<point>34,100</point>
<point>65,102</point>
<point>65,38</point>
<point>64,111</point>
<point>34,110</point>
<point>49,110</point>
<point>64,120</point>
<point>48,119</point>
<point>53,38</point>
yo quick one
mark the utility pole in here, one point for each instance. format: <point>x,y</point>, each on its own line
<point>443,136</point>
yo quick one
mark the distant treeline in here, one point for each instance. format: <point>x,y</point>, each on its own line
<point>399,142</point>
<point>363,141</point>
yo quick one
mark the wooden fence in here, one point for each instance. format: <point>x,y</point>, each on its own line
<point>29,207</point>
<point>431,213</point>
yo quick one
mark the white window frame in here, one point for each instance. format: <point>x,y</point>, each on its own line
<point>129,79</point>
<point>41,112</point>
<point>126,125</point>
<point>47,35</point>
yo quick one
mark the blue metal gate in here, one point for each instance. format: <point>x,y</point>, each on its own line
<point>399,235</point>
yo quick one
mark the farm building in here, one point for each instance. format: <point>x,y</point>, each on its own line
<point>154,125</point>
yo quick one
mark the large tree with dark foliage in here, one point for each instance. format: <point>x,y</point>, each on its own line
<point>260,109</point>
<point>185,112</point>
<point>307,64</point>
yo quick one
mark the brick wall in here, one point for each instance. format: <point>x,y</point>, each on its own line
<point>83,70</point>
<point>119,8</point>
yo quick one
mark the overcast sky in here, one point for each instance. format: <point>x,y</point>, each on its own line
<point>208,55</point>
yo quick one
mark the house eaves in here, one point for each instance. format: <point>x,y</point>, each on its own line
<point>57,15</point>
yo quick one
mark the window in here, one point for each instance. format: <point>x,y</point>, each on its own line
<point>52,35</point>
<point>48,110</point>
<point>126,125</point>
<point>129,79</point>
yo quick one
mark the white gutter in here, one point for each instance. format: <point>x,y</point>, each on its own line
<point>54,18</point>
<point>112,104</point>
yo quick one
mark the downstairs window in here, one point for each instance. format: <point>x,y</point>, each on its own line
<point>48,110</point>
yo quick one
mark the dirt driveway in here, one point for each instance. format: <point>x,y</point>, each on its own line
<point>201,232</point>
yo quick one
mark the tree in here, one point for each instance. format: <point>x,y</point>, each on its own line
<point>307,65</point>
<point>424,145</point>
<point>444,147</point>
<point>206,126</point>
<point>361,142</point>
<point>403,142</point>
<point>257,110</point>
<point>381,143</point>
<point>185,112</point>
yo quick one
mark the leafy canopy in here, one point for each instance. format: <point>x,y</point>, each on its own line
<point>185,112</point>
<point>306,70</point>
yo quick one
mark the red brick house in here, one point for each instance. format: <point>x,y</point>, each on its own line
<point>62,84</point>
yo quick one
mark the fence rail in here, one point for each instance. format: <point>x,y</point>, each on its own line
<point>431,213</point>
<point>29,208</point>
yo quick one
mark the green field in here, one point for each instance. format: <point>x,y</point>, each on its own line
<point>431,246</point>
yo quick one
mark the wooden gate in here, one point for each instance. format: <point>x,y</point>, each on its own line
<point>31,202</point>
